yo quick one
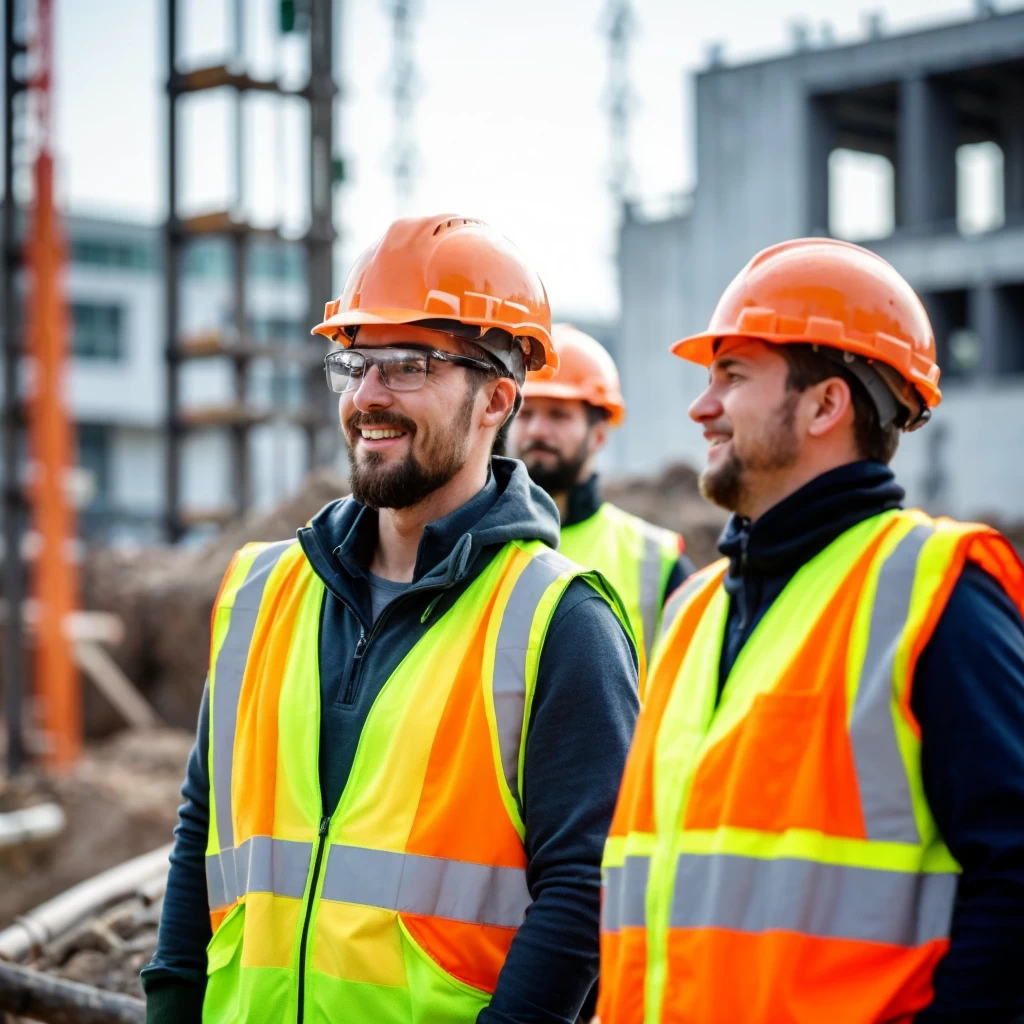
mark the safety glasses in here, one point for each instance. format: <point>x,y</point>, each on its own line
<point>400,368</point>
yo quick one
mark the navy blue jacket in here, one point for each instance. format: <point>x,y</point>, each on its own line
<point>968,696</point>
<point>581,723</point>
<point>585,500</point>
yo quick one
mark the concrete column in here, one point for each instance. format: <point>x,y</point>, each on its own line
<point>820,141</point>
<point>942,325</point>
<point>1013,154</point>
<point>997,316</point>
<point>927,154</point>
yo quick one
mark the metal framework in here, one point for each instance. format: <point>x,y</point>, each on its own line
<point>50,439</point>
<point>239,347</point>
<point>403,81</point>
<point>14,506</point>
<point>619,26</point>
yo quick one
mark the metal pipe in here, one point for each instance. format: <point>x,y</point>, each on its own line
<point>59,915</point>
<point>13,500</point>
<point>31,824</point>
<point>172,256</point>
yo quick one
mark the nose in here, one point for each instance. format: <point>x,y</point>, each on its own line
<point>370,392</point>
<point>706,406</point>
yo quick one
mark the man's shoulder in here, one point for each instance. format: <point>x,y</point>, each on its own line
<point>660,535</point>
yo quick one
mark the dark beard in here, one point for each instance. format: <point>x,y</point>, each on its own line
<point>727,485</point>
<point>409,482</point>
<point>563,476</point>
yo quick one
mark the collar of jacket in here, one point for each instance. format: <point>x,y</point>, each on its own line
<point>584,501</point>
<point>792,532</point>
<point>340,539</point>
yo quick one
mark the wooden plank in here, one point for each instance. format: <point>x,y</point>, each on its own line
<point>94,661</point>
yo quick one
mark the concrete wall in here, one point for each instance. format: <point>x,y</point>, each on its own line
<point>967,461</point>
<point>656,274</point>
<point>762,177</point>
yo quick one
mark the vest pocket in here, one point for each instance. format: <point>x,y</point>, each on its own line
<point>223,969</point>
<point>437,996</point>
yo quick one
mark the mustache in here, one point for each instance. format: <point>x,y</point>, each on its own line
<point>540,446</point>
<point>380,420</point>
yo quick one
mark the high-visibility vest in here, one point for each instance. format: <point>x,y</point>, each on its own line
<point>636,557</point>
<point>402,904</point>
<point>773,857</point>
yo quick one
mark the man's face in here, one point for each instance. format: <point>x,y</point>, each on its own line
<point>748,417</point>
<point>555,439</point>
<point>430,432</point>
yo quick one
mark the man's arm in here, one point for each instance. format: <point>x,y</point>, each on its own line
<point>581,725</point>
<point>969,699</point>
<point>175,979</point>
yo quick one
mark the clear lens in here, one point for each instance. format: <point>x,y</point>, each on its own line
<point>400,369</point>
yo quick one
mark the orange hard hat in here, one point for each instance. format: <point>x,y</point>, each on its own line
<point>586,372</point>
<point>440,270</point>
<point>822,291</point>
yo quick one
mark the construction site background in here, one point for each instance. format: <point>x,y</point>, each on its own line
<point>226,387</point>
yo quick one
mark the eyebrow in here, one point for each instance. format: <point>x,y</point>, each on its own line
<point>728,362</point>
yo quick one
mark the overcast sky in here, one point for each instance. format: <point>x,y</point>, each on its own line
<point>510,125</point>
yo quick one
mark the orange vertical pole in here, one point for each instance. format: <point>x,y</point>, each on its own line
<point>50,440</point>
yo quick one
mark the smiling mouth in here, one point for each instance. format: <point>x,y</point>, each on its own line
<point>370,434</point>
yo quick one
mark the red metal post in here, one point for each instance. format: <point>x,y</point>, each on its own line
<point>51,441</point>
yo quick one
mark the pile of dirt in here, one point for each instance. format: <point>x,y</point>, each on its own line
<point>120,802</point>
<point>165,595</point>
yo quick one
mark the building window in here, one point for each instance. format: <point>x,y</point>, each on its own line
<point>94,459</point>
<point>98,252</point>
<point>98,331</point>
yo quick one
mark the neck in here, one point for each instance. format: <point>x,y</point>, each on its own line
<point>561,501</point>
<point>399,530</point>
<point>767,492</point>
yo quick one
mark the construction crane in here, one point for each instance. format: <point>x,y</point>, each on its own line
<point>619,25</point>
<point>403,82</point>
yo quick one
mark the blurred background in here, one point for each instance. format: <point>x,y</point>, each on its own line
<point>219,164</point>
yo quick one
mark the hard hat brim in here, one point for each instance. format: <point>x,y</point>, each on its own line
<point>700,349</point>
<point>540,388</point>
<point>333,326</point>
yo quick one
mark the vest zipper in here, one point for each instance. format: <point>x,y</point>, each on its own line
<point>325,823</point>
<point>350,684</point>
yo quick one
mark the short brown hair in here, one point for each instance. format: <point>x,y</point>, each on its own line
<point>807,368</point>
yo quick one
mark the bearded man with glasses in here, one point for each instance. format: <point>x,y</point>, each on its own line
<point>417,712</point>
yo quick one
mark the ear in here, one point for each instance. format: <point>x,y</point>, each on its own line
<point>500,404</point>
<point>598,437</point>
<point>831,405</point>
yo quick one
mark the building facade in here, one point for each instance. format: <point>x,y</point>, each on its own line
<point>117,375</point>
<point>771,137</point>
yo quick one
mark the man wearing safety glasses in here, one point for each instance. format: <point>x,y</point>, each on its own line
<point>417,712</point>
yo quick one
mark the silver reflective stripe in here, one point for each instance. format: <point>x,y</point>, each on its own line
<point>829,901</point>
<point>230,671</point>
<point>431,886</point>
<point>650,587</point>
<point>510,658</point>
<point>881,774</point>
<point>679,597</point>
<point>260,864</point>
<point>625,895</point>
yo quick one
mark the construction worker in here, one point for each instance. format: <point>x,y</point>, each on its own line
<point>398,798</point>
<point>822,816</point>
<point>560,430</point>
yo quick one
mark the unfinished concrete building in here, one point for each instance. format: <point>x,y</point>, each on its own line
<point>771,140</point>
